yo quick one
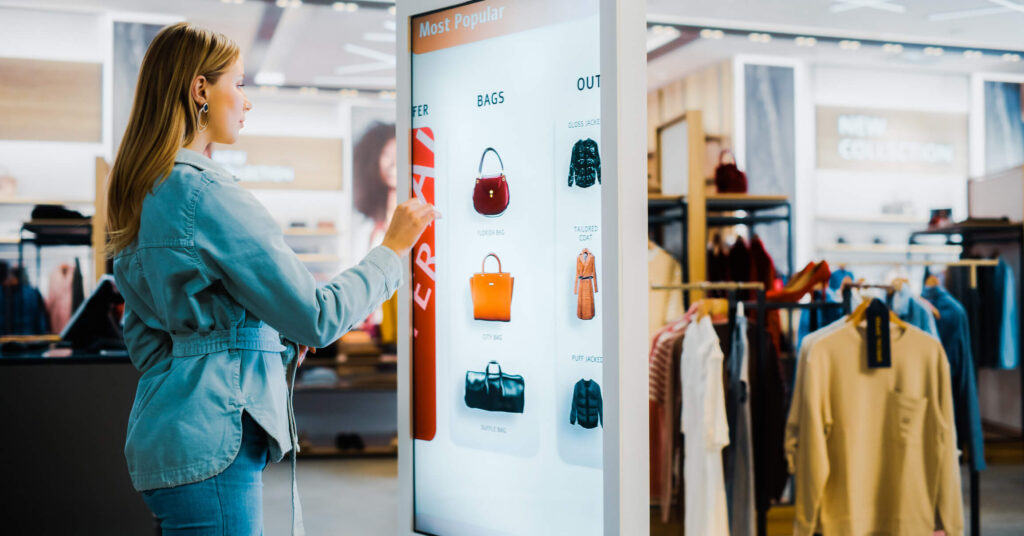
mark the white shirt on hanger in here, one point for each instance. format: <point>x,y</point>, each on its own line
<point>705,430</point>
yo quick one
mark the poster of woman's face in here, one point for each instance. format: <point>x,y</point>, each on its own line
<point>374,176</point>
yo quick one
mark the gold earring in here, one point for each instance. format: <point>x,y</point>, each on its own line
<point>200,126</point>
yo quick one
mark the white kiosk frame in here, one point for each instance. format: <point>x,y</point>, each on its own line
<point>624,218</point>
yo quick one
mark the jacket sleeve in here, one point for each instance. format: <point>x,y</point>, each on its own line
<point>716,427</point>
<point>147,346</point>
<point>949,501</point>
<point>600,405</point>
<point>597,156</point>
<point>238,243</point>
<point>575,401</point>
<point>968,414</point>
<point>572,161</point>
<point>812,457</point>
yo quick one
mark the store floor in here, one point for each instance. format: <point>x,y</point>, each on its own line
<point>360,497</point>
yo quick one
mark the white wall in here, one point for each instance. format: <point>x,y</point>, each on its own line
<point>850,194</point>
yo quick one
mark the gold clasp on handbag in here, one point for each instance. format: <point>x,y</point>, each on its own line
<point>490,193</point>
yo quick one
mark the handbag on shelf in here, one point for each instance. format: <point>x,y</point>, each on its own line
<point>490,194</point>
<point>495,391</point>
<point>728,178</point>
<point>492,293</point>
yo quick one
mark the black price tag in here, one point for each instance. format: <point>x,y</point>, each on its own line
<point>879,355</point>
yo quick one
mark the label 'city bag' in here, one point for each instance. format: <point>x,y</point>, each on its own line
<point>495,391</point>
<point>492,293</point>
<point>490,194</point>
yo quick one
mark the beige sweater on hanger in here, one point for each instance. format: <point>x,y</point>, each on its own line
<point>877,448</point>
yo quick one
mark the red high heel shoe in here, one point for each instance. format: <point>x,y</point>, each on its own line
<point>803,282</point>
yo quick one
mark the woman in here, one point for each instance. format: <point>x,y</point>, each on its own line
<point>218,310</point>
<point>375,186</point>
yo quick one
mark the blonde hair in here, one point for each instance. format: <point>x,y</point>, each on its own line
<point>163,119</point>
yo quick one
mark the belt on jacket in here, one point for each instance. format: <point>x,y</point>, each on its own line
<point>263,338</point>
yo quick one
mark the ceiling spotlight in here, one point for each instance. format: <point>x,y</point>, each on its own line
<point>973,54</point>
<point>892,48</point>
<point>392,10</point>
<point>932,51</point>
<point>387,95</point>
<point>1011,57</point>
<point>268,89</point>
<point>806,41</point>
<point>708,33</point>
<point>282,3</point>
<point>338,6</point>
<point>847,44</point>
<point>760,37</point>
<point>349,92</point>
<point>308,90</point>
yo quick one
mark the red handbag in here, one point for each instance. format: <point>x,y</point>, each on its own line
<point>728,177</point>
<point>490,195</point>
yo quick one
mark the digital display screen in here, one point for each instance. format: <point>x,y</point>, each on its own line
<point>507,352</point>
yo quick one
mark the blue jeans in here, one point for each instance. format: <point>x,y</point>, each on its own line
<point>228,503</point>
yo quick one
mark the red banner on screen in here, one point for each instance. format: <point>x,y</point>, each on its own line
<point>424,320</point>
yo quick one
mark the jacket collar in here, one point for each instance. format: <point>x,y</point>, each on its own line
<point>202,163</point>
<point>934,294</point>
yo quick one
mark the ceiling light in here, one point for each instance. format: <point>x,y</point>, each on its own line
<point>892,48</point>
<point>338,6</point>
<point>268,89</point>
<point>348,92</point>
<point>392,10</point>
<point>282,3</point>
<point>1011,57</point>
<point>659,36</point>
<point>760,37</point>
<point>308,90</point>
<point>351,7</point>
<point>806,41</point>
<point>933,51</point>
<point>973,54</point>
<point>708,33</point>
<point>847,44</point>
<point>387,95</point>
<point>269,78</point>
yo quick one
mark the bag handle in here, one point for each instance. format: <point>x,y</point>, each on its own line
<point>487,375</point>
<point>483,265</point>
<point>480,170</point>
<point>721,156</point>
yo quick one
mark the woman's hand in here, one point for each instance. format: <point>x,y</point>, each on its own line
<point>407,224</point>
<point>302,353</point>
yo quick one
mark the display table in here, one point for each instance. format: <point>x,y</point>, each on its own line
<point>64,422</point>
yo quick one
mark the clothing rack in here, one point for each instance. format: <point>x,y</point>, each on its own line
<point>761,307</point>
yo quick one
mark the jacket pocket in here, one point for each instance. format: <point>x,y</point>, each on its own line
<point>908,413</point>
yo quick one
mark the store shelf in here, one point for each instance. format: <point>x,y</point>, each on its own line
<point>879,219</point>
<point>5,200</point>
<point>10,239</point>
<point>884,249</point>
<point>299,231</point>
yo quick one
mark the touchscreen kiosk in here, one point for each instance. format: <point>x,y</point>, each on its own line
<point>508,293</point>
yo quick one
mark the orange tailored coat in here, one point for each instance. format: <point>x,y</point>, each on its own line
<point>586,285</point>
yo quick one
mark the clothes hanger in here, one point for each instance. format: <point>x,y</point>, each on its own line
<point>860,314</point>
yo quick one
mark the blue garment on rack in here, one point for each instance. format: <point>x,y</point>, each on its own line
<point>27,301</point>
<point>998,321</point>
<point>911,310</point>
<point>954,332</point>
<point>1009,326</point>
<point>833,294</point>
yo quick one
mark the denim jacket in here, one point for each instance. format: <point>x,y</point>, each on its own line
<point>215,304</point>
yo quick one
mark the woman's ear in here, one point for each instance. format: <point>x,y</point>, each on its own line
<point>198,90</point>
